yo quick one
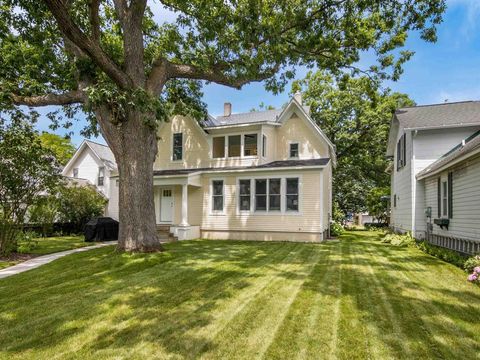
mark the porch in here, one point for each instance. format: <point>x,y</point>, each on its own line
<point>174,217</point>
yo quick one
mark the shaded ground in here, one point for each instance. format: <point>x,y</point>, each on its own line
<point>45,246</point>
<point>352,299</point>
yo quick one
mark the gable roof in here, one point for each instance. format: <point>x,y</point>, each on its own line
<point>102,152</point>
<point>455,114</point>
<point>467,148</point>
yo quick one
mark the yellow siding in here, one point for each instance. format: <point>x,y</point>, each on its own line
<point>296,130</point>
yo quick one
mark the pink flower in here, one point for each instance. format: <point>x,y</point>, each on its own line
<point>472,277</point>
<point>476,270</point>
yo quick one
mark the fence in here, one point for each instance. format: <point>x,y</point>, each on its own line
<point>464,246</point>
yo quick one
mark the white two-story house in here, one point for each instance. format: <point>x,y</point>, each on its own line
<point>263,175</point>
<point>421,138</point>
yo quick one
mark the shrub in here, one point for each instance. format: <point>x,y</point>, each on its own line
<point>472,263</point>
<point>447,255</point>
<point>375,226</point>
<point>398,239</point>
<point>474,277</point>
<point>336,229</point>
<point>27,241</point>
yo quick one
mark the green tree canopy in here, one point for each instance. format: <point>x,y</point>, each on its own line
<point>355,114</point>
<point>60,146</point>
<point>110,59</point>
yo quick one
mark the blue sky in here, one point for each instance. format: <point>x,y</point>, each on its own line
<point>446,70</point>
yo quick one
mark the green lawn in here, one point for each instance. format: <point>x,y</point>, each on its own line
<point>352,299</point>
<point>60,243</point>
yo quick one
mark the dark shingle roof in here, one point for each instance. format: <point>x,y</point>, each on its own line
<point>247,118</point>
<point>469,145</point>
<point>440,115</point>
<point>270,165</point>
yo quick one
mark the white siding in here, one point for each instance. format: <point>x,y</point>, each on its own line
<point>466,201</point>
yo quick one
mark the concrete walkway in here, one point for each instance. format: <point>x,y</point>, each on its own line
<point>45,259</point>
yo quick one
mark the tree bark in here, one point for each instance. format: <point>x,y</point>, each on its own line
<point>134,145</point>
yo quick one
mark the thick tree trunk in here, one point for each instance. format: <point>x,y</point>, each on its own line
<point>134,145</point>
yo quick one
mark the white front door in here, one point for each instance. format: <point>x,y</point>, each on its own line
<point>166,205</point>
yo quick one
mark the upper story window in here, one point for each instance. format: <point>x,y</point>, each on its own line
<point>218,147</point>
<point>250,145</point>
<point>264,146</point>
<point>75,172</point>
<point>177,151</point>
<point>101,176</point>
<point>293,151</point>
<point>234,145</point>
<point>402,152</point>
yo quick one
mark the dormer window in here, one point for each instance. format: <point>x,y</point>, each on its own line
<point>294,150</point>
<point>250,145</point>
<point>177,151</point>
<point>101,176</point>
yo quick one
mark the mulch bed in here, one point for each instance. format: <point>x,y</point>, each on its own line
<point>17,257</point>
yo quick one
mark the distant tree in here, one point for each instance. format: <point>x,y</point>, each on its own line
<point>62,147</point>
<point>355,114</point>
<point>111,60</point>
<point>377,203</point>
<point>262,107</point>
<point>28,171</point>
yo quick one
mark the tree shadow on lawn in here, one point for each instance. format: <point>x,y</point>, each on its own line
<point>152,298</point>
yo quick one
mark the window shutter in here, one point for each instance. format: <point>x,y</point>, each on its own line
<point>404,149</point>
<point>450,193</point>
<point>439,197</point>
<point>398,155</point>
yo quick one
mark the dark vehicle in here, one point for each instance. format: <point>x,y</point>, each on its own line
<point>101,229</point>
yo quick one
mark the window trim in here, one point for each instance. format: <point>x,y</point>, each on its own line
<point>212,211</point>
<point>101,177</point>
<point>173,147</point>
<point>290,149</point>
<point>283,196</point>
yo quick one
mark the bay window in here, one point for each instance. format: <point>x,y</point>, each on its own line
<point>234,145</point>
<point>250,145</point>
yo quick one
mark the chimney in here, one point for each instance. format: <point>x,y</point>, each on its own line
<point>227,109</point>
<point>298,97</point>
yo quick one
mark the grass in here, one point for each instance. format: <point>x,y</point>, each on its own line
<point>55,244</point>
<point>4,264</point>
<point>352,299</point>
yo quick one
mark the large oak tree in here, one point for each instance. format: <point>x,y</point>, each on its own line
<point>111,60</point>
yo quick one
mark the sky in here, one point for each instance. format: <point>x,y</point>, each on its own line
<point>448,70</point>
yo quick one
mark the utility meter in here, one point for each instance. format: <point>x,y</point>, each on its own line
<point>428,212</point>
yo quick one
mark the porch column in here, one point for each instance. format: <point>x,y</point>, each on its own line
<point>184,206</point>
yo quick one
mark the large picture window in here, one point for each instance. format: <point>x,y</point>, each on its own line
<point>250,145</point>
<point>177,146</point>
<point>260,194</point>
<point>219,147</point>
<point>245,192</point>
<point>234,145</point>
<point>292,194</point>
<point>274,194</point>
<point>217,195</point>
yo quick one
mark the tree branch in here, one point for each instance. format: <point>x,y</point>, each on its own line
<point>94,6</point>
<point>70,97</point>
<point>89,46</point>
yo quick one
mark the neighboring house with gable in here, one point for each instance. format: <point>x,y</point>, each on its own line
<point>94,164</point>
<point>263,175</point>
<point>433,190</point>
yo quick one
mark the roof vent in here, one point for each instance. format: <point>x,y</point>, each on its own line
<point>298,97</point>
<point>227,109</point>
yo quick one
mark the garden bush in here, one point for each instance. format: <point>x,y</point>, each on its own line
<point>472,263</point>
<point>375,226</point>
<point>27,241</point>
<point>398,239</point>
<point>336,229</point>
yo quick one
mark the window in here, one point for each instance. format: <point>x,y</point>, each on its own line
<point>250,145</point>
<point>101,175</point>
<point>395,200</point>
<point>234,145</point>
<point>401,152</point>
<point>177,146</point>
<point>274,195</point>
<point>292,194</point>
<point>444,196</point>
<point>219,147</point>
<point>260,194</point>
<point>245,190</point>
<point>264,146</point>
<point>217,195</point>
<point>294,150</point>
<point>75,172</point>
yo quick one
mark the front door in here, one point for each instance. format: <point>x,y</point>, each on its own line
<point>166,205</point>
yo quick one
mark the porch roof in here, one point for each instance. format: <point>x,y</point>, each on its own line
<point>274,165</point>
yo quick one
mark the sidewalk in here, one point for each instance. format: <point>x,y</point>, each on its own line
<point>45,259</point>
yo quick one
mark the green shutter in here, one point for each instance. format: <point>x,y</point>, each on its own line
<point>404,149</point>
<point>450,193</point>
<point>439,197</point>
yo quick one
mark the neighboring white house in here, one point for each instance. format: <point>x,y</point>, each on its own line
<point>94,163</point>
<point>420,137</point>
